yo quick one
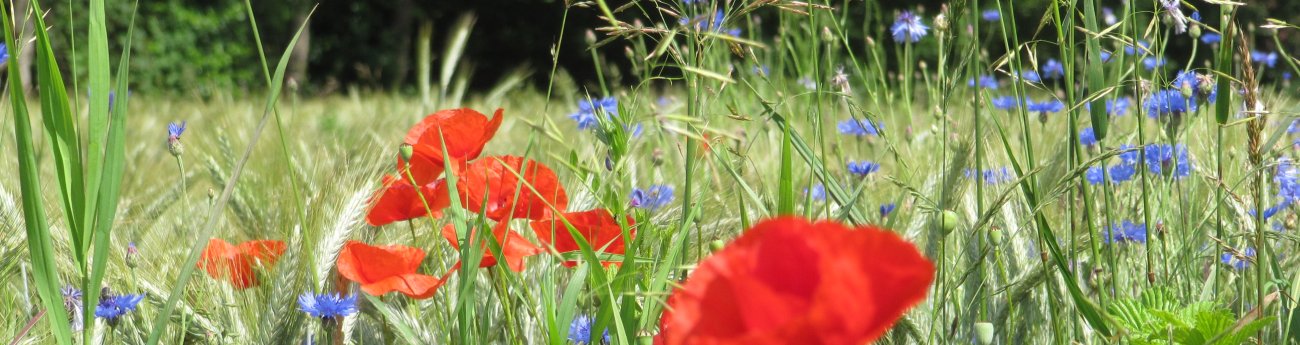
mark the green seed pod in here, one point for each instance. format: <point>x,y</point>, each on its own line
<point>948,221</point>
<point>406,150</point>
<point>984,332</point>
<point>995,236</point>
<point>716,245</point>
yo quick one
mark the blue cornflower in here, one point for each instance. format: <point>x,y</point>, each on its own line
<point>1152,62</point>
<point>1125,232</point>
<point>113,306</point>
<point>1288,181</point>
<point>990,176</point>
<point>1294,127</point>
<point>1108,16</point>
<point>1130,50</point>
<point>327,306</point>
<point>1053,69</point>
<point>1286,76</point>
<point>1196,16</point>
<point>692,2</point>
<point>1087,137</point>
<point>1005,103</point>
<point>863,168</point>
<point>652,198</point>
<point>886,209</point>
<point>817,193</point>
<point>1186,81</point>
<point>1174,13</point>
<point>175,130</point>
<point>1031,76</point>
<point>1210,38</point>
<point>761,70</point>
<point>588,109</point>
<point>1121,173</point>
<point>1128,154</point>
<point>863,127</point>
<point>1238,263</point>
<point>908,28</point>
<point>807,83</point>
<point>1118,106</point>
<point>1269,59</point>
<point>1272,211</point>
<point>1095,175</point>
<point>1105,56</point>
<point>1050,106</point>
<point>991,15</point>
<point>984,81</point>
<point>1168,160</point>
<point>72,304</point>
<point>1168,102</point>
<point>580,330</point>
<point>4,53</point>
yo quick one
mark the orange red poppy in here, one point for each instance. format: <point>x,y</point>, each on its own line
<point>383,269</point>
<point>598,228</point>
<point>224,261</point>
<point>788,279</point>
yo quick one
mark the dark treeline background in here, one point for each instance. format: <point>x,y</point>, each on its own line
<point>207,46</point>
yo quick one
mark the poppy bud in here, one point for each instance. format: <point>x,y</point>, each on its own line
<point>716,245</point>
<point>984,332</point>
<point>657,157</point>
<point>212,194</point>
<point>609,163</point>
<point>827,35</point>
<point>995,236</point>
<point>941,22</point>
<point>948,221</point>
<point>1194,31</point>
<point>590,37</point>
<point>406,150</point>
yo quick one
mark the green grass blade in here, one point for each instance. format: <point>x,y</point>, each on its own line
<point>209,226</point>
<point>403,329</point>
<point>110,181</point>
<point>1095,76</point>
<point>785,196</point>
<point>39,243</point>
<point>61,129</point>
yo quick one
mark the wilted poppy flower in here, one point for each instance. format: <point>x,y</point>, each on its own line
<point>598,227</point>
<point>385,269</point>
<point>788,280</point>
<point>492,186</point>
<point>465,132</point>
<point>398,201</point>
<point>225,261</point>
<point>514,247</point>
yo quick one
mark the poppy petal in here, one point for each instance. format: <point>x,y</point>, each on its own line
<point>464,131</point>
<point>788,278</point>
<point>265,251</point>
<point>514,247</point>
<point>367,264</point>
<point>415,285</point>
<point>598,228</point>
<point>492,186</point>
<point>399,201</point>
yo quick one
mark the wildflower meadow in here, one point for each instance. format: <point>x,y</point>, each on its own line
<point>733,172</point>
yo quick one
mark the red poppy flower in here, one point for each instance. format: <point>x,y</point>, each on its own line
<point>398,201</point>
<point>598,227</point>
<point>385,269</point>
<point>514,247</point>
<point>494,182</point>
<point>791,281</point>
<point>225,261</point>
<point>465,132</point>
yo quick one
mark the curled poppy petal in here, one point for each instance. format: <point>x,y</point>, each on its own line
<point>464,132</point>
<point>492,186</point>
<point>384,269</point>
<point>514,247</point>
<point>790,280</point>
<point>598,228</point>
<point>224,261</point>
<point>399,201</point>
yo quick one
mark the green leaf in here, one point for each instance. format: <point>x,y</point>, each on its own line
<point>39,243</point>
